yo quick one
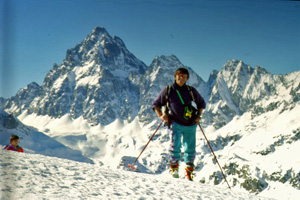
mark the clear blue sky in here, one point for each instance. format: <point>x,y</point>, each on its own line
<point>203,34</point>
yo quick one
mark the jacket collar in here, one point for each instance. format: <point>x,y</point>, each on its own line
<point>176,86</point>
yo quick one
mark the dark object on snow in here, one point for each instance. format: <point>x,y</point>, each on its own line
<point>10,122</point>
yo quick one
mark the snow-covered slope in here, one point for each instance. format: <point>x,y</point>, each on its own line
<point>33,141</point>
<point>258,154</point>
<point>29,176</point>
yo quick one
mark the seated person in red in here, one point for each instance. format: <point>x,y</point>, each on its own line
<point>13,146</point>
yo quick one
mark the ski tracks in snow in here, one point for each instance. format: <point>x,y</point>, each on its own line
<point>32,176</point>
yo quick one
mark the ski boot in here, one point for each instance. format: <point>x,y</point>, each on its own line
<point>189,171</point>
<point>174,170</point>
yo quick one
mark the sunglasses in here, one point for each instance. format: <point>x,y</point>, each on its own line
<point>182,75</point>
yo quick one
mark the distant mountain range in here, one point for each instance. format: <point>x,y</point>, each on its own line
<point>101,81</point>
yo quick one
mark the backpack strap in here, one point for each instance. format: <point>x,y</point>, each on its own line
<point>168,89</point>
<point>191,92</point>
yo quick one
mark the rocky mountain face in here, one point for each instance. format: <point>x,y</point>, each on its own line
<point>239,88</point>
<point>97,80</point>
<point>101,81</point>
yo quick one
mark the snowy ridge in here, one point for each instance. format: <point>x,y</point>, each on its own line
<point>39,177</point>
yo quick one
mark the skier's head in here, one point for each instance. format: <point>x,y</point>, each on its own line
<point>14,140</point>
<point>182,71</point>
<point>181,76</point>
<point>14,137</point>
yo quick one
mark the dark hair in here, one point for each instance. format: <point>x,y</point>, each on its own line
<point>183,71</point>
<point>14,137</point>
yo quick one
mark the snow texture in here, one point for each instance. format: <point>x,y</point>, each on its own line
<point>29,176</point>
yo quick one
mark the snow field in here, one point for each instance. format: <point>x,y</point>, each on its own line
<point>270,134</point>
<point>32,176</point>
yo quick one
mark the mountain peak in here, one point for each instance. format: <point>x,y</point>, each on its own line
<point>99,31</point>
<point>167,61</point>
<point>233,64</point>
<point>262,70</point>
<point>100,48</point>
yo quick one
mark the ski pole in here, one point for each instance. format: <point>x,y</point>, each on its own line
<point>214,156</point>
<point>132,165</point>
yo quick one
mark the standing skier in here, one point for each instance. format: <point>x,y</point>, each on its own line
<point>182,119</point>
